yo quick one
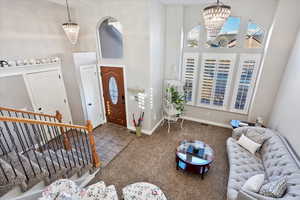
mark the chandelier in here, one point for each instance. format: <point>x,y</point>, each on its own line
<point>71,29</point>
<point>214,18</point>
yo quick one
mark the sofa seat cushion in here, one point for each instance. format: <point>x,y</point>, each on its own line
<point>243,165</point>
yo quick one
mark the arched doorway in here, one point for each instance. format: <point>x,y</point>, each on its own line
<point>110,38</point>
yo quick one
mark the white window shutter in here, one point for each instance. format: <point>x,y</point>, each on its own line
<point>215,80</point>
<point>189,75</point>
<point>244,86</point>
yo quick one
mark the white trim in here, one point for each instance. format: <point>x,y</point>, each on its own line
<point>207,122</point>
<point>125,88</point>
<point>147,132</point>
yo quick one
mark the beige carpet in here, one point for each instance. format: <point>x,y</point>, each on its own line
<point>152,159</point>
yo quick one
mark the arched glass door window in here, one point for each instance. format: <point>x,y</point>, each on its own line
<point>111,38</point>
<point>193,37</point>
<point>227,37</point>
<point>255,36</point>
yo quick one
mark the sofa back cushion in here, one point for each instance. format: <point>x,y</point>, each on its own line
<point>278,162</point>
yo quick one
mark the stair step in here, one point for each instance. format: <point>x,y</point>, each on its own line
<point>56,169</point>
<point>83,165</point>
<point>12,178</point>
<point>34,173</point>
<point>62,158</point>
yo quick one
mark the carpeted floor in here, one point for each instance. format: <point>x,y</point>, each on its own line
<point>152,159</point>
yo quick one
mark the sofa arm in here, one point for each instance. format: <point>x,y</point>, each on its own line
<point>238,132</point>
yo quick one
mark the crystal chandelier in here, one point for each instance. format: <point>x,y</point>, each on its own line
<point>71,29</point>
<point>214,18</point>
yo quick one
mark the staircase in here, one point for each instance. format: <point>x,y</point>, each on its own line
<point>37,149</point>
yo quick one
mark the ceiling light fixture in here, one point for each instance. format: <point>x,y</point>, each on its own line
<point>214,18</point>
<point>71,29</point>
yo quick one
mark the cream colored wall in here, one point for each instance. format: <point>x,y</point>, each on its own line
<point>262,13</point>
<point>134,17</point>
<point>285,28</point>
<point>286,111</point>
<point>32,29</point>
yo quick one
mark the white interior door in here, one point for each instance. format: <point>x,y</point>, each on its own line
<point>48,93</point>
<point>91,90</point>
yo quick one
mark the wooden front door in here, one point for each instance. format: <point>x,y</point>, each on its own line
<point>114,96</point>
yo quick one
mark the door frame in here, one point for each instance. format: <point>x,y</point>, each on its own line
<point>125,88</point>
<point>81,67</point>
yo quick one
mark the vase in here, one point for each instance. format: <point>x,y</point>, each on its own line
<point>138,131</point>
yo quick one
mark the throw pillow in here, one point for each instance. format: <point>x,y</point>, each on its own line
<point>254,183</point>
<point>275,189</point>
<point>256,136</point>
<point>248,144</point>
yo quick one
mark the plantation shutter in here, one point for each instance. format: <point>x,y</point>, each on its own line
<point>244,86</point>
<point>215,80</point>
<point>190,71</point>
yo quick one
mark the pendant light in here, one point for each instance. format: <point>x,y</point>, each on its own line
<point>214,18</point>
<point>71,29</point>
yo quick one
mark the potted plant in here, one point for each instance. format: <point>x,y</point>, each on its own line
<point>176,99</point>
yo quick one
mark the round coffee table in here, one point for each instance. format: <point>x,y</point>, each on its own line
<point>194,156</point>
<point>143,191</point>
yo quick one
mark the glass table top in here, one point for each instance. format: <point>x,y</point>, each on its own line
<point>195,152</point>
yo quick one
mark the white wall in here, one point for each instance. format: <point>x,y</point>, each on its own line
<point>32,29</point>
<point>173,41</point>
<point>262,13</point>
<point>135,20</point>
<point>285,28</point>
<point>286,112</point>
<point>157,33</point>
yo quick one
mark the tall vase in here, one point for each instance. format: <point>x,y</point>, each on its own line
<point>138,131</point>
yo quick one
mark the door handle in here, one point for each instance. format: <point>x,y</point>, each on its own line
<point>90,104</point>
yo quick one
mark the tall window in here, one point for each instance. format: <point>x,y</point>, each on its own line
<point>227,37</point>
<point>215,79</point>
<point>224,80</point>
<point>255,36</point>
<point>244,85</point>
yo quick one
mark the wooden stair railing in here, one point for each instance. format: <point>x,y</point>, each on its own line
<point>18,113</point>
<point>28,114</point>
<point>65,129</point>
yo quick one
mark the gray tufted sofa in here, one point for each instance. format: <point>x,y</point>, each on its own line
<point>275,159</point>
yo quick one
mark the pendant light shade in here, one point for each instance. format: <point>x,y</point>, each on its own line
<point>214,18</point>
<point>71,29</point>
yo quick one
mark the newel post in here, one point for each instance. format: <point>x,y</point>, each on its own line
<point>95,156</point>
<point>66,141</point>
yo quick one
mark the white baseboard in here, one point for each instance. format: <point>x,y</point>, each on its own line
<point>207,122</point>
<point>147,132</point>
